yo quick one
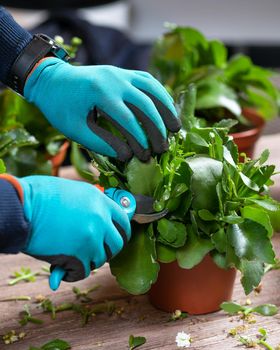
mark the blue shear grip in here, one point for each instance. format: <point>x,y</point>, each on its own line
<point>124,199</point>
<point>56,277</point>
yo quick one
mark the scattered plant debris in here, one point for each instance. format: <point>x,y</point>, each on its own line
<point>12,337</point>
<point>27,317</point>
<point>135,342</point>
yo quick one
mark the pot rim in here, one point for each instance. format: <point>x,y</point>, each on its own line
<point>257,120</point>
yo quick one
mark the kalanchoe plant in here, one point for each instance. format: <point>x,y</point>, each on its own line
<point>224,86</point>
<point>216,205</point>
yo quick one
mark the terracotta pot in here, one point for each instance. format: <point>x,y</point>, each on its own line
<point>199,290</point>
<point>246,140</point>
<point>58,159</point>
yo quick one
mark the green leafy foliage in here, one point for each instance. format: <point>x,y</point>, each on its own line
<point>183,56</point>
<point>26,317</point>
<point>216,204</point>
<point>26,138</point>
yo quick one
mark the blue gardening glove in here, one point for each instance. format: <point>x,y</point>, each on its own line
<point>73,97</point>
<point>73,225</point>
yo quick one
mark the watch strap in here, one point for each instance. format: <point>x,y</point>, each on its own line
<point>39,47</point>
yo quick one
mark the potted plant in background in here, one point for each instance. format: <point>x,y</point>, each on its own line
<point>230,92</point>
<point>28,143</point>
<point>218,218</point>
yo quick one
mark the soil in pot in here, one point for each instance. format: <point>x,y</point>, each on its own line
<point>197,291</point>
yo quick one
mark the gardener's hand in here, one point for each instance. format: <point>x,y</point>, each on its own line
<point>73,224</point>
<point>133,101</point>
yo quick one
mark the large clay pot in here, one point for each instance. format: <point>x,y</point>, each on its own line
<point>199,290</point>
<point>246,140</point>
<point>58,159</point>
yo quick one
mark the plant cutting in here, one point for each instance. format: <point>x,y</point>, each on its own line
<point>231,92</point>
<point>218,218</point>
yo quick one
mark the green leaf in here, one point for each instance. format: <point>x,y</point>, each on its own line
<point>135,267</point>
<point>194,250</point>
<point>135,342</point>
<point>56,344</point>
<point>80,163</point>
<point>238,65</point>
<point>214,93</point>
<point>218,52</point>
<point>233,219</point>
<point>187,104</point>
<point>206,173</point>
<point>266,309</point>
<point>219,240</point>
<point>143,178</point>
<point>250,241</point>
<point>258,215</point>
<point>206,215</point>
<point>248,183</point>
<point>165,254</point>
<point>231,307</point>
<point>171,233</point>
<point>267,203</point>
<point>252,273</point>
<point>2,167</point>
<point>219,259</point>
<point>264,156</point>
<point>226,123</point>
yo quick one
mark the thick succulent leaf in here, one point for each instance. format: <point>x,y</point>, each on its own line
<point>171,233</point>
<point>135,267</point>
<point>219,240</point>
<point>258,215</point>
<point>266,309</point>
<point>143,178</point>
<point>231,307</point>
<point>214,94</point>
<point>194,251</point>
<point>165,254</point>
<point>207,172</point>
<point>219,259</point>
<point>250,241</point>
<point>252,273</point>
<point>267,203</point>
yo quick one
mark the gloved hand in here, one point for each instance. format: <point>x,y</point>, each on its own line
<point>133,101</point>
<point>73,224</point>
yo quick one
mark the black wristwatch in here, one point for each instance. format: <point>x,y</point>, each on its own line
<point>39,47</point>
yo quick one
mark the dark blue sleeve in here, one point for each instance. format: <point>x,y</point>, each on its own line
<point>13,38</point>
<point>13,226</point>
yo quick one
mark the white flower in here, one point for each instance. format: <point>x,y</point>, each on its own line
<point>183,340</point>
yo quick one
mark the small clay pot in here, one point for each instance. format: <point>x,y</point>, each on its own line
<point>246,140</point>
<point>197,291</point>
<point>58,159</point>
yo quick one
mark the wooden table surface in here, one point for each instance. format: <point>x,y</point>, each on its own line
<point>138,317</point>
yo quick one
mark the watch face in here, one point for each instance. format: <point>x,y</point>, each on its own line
<point>54,4</point>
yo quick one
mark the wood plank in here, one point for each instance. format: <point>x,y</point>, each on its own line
<point>139,317</point>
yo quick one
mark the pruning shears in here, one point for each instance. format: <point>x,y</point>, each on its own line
<point>139,208</point>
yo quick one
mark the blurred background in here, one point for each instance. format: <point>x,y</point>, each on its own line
<point>121,32</point>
